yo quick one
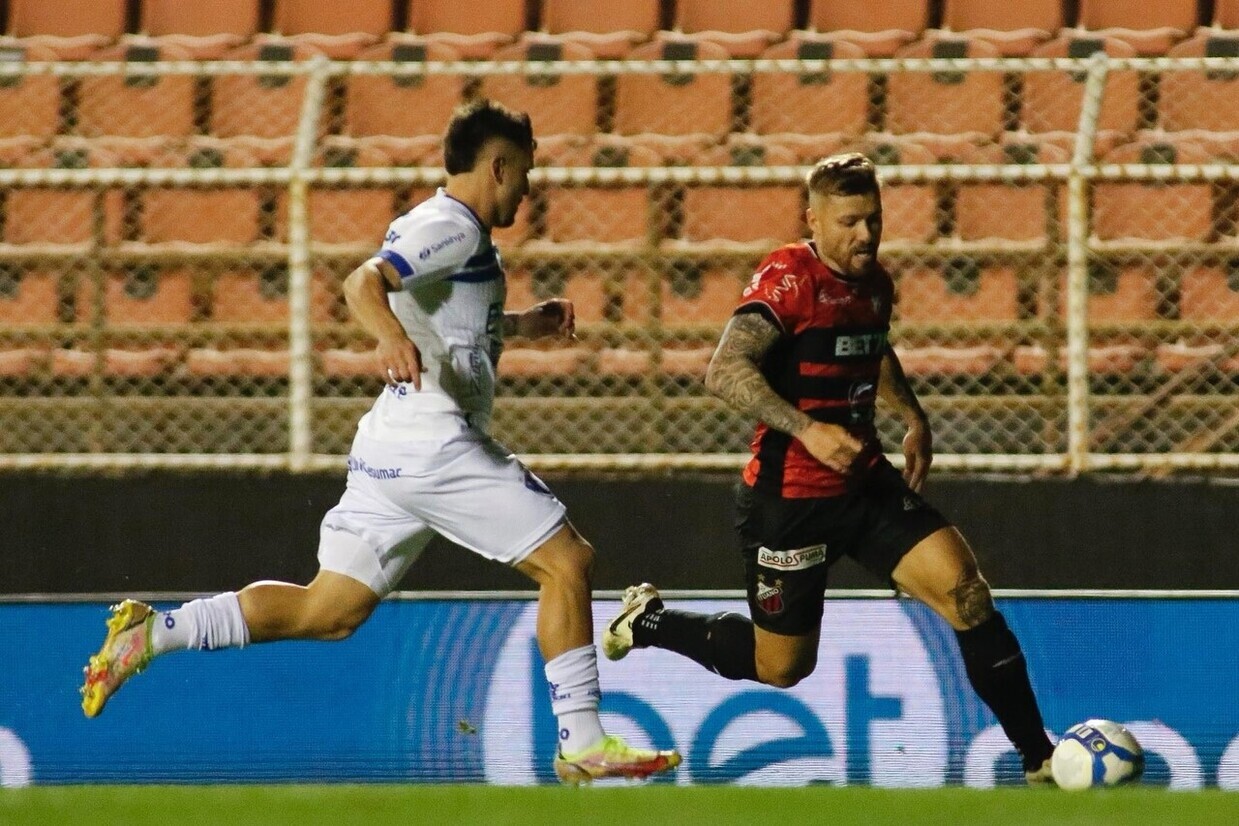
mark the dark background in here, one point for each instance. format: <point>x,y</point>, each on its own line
<point>207,532</point>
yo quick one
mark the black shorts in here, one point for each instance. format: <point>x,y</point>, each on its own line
<point>790,544</point>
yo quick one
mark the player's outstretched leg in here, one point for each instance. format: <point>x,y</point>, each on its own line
<point>612,757</point>
<point>126,651</point>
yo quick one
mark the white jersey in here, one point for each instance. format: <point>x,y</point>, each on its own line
<point>451,307</point>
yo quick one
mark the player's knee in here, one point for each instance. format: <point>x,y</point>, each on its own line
<point>784,673</point>
<point>970,600</point>
<point>572,562</point>
<point>336,622</point>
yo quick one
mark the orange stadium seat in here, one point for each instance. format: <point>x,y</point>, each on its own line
<point>21,362</point>
<point>756,217</point>
<point>338,30</point>
<point>1194,99</point>
<point>1009,213</point>
<point>73,29</point>
<point>584,285</point>
<point>233,362</point>
<point>265,106</point>
<point>880,29</point>
<point>1051,103</point>
<point>404,105</point>
<point>62,218</point>
<point>1210,294</point>
<point>133,105</point>
<point>262,296</point>
<point>701,296</point>
<point>30,105</point>
<point>475,30</point>
<point>943,361</point>
<point>1153,211</point>
<point>962,290</point>
<point>28,296</point>
<point>142,294</point>
<point>965,104</point>
<point>909,211</point>
<point>1226,14</point>
<point>205,30</point>
<point>743,28</point>
<point>596,218</point>
<point>556,103</point>
<point>609,30</point>
<point>1015,28</point>
<point>1117,294</point>
<point>811,103</point>
<point>116,362</point>
<point>1151,28</point>
<point>674,104</point>
<point>212,217</point>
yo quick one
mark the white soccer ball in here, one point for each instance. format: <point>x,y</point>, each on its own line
<point>1096,753</point>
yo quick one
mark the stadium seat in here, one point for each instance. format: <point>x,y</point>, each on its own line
<point>207,217</point>
<point>339,30</point>
<point>595,218</point>
<point>1117,294</point>
<point>810,103</point>
<point>73,29</point>
<point>556,103</point>
<point>206,30</point>
<point>937,360</point>
<point>584,285</point>
<point>1009,214</point>
<point>116,362</point>
<point>961,104</point>
<point>475,30</point>
<point>745,29</point>
<point>1051,103</point>
<point>1177,356</point>
<point>262,296</point>
<point>961,290</point>
<point>1226,14</point>
<point>28,296</point>
<point>267,106</point>
<point>133,105</point>
<point>22,362</point>
<point>543,360</point>
<point>881,29</point>
<point>1151,28</point>
<point>746,149</point>
<point>674,104</point>
<point>609,30</point>
<point>1195,99</point>
<point>404,105</point>
<point>344,363</point>
<point>1015,28</point>
<point>1210,294</point>
<point>143,294</point>
<point>696,296</point>
<point>62,219</point>
<point>1171,212</point>
<point>237,362</point>
<point>1120,358</point>
<point>601,150</point>
<point>909,210</point>
<point>756,218</point>
<point>30,105</point>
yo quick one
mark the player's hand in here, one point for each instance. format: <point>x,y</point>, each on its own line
<point>918,454</point>
<point>399,361</point>
<point>554,317</point>
<point>831,445</point>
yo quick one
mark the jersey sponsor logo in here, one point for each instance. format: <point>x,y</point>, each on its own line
<point>770,596</point>
<point>356,465</point>
<point>861,344</point>
<point>792,559</point>
<point>431,249</point>
<point>824,297</point>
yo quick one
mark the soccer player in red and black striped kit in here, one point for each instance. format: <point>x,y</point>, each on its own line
<point>806,354</point>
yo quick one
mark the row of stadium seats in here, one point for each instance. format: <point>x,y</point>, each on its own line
<point>961,291</point>
<point>981,106</point>
<point>597,220</point>
<point>75,29</point>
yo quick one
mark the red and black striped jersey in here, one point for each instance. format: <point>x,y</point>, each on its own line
<point>827,363</point>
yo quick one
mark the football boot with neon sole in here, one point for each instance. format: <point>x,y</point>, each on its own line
<point>612,757</point>
<point>617,639</point>
<point>126,651</point>
<point>1041,776</point>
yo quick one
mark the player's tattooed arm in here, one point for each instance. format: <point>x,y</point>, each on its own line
<point>894,389</point>
<point>735,376</point>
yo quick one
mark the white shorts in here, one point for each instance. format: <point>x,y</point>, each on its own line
<point>466,487</point>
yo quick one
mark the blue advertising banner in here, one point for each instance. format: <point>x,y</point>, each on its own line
<point>452,691</point>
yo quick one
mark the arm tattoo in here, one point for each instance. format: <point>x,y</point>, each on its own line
<point>894,388</point>
<point>972,598</point>
<point>735,377</point>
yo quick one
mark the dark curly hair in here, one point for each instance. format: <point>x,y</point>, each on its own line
<point>475,123</point>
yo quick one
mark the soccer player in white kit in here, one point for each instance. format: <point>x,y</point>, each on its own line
<point>422,463</point>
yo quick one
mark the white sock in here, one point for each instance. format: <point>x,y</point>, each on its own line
<point>211,623</point>
<point>573,676</point>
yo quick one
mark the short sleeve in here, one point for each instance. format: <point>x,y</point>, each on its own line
<point>430,249</point>
<point>778,292</point>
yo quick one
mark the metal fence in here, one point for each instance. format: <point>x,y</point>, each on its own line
<point>1063,232</point>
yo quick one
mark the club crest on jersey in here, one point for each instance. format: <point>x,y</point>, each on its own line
<point>792,559</point>
<point>770,596</point>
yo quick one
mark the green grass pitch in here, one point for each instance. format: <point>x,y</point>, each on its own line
<point>548,806</point>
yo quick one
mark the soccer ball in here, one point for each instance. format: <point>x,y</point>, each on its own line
<point>1096,753</point>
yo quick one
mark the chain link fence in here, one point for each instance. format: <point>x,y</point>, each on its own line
<point>1063,232</point>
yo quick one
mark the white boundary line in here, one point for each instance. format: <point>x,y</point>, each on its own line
<point>490,596</point>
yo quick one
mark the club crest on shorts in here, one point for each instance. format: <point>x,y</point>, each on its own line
<point>770,596</point>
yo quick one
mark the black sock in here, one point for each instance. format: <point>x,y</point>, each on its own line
<point>997,671</point>
<point>724,643</point>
